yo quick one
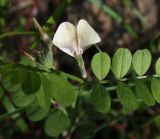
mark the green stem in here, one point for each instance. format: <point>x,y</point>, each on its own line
<point>129,79</point>
<point>97,47</point>
<point>20,123</point>
<point>72,77</point>
<point>43,34</point>
<point>81,66</point>
<point>13,33</point>
<point>11,114</point>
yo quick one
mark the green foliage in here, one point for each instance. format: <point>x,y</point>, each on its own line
<point>32,80</point>
<point>62,91</point>
<point>142,61</point>
<point>20,123</point>
<point>35,88</point>
<point>101,65</point>
<point>20,99</point>
<point>100,98</point>
<point>121,62</point>
<point>17,76</point>
<point>56,123</point>
<point>44,92</point>
<point>157,67</point>
<point>155,88</point>
<point>12,82</point>
<point>144,94</point>
<point>35,112</point>
<point>9,83</point>
<point>126,97</point>
<point>28,83</point>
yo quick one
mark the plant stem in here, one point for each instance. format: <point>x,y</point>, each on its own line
<point>112,88</point>
<point>10,114</point>
<point>97,47</point>
<point>81,66</point>
<point>72,77</point>
<point>130,79</point>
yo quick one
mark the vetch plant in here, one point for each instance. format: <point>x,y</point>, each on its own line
<point>43,92</point>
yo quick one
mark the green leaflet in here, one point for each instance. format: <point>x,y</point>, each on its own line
<point>13,79</point>
<point>141,61</point>
<point>35,112</point>
<point>100,98</point>
<point>12,82</point>
<point>20,99</point>
<point>17,76</point>
<point>101,64</point>
<point>143,93</point>
<point>56,123</point>
<point>62,91</point>
<point>157,67</point>
<point>155,88</point>
<point>121,62</point>
<point>126,97</point>
<point>44,93</point>
<point>31,83</point>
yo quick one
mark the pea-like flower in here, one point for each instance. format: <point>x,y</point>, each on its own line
<point>75,40</point>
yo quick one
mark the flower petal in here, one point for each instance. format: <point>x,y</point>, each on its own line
<point>86,35</point>
<point>65,38</point>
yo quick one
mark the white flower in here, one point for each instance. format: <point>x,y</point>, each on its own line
<point>75,40</point>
